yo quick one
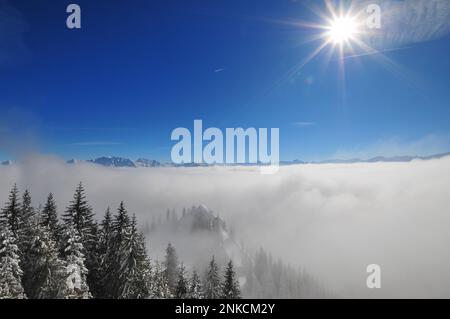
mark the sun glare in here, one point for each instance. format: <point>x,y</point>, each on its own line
<point>342,29</point>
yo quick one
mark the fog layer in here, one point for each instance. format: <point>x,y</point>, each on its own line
<point>333,220</point>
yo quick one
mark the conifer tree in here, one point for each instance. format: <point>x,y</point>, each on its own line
<point>26,234</point>
<point>195,287</point>
<point>171,268</point>
<point>10,213</point>
<point>10,271</point>
<point>159,286</point>
<point>80,216</point>
<point>105,233</point>
<point>140,280</point>
<point>230,287</point>
<point>104,249</point>
<point>115,258</point>
<point>26,210</point>
<point>182,284</point>
<point>212,286</point>
<point>49,218</point>
<point>43,272</point>
<point>135,266</point>
<point>75,284</point>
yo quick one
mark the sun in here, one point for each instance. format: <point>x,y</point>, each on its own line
<point>343,33</point>
<point>342,30</point>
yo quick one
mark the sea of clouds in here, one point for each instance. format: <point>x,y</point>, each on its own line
<point>331,219</point>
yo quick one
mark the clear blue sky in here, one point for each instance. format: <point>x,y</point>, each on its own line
<point>138,69</point>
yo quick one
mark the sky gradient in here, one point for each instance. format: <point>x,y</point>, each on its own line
<point>137,70</point>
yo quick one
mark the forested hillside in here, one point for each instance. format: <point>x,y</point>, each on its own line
<point>76,256</point>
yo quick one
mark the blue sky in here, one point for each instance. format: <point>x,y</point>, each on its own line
<point>137,70</point>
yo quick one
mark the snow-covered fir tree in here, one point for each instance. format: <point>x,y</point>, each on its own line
<point>10,272</point>
<point>49,218</point>
<point>126,260</point>
<point>171,268</point>
<point>140,281</point>
<point>10,213</point>
<point>105,232</point>
<point>75,284</point>
<point>26,218</point>
<point>230,286</point>
<point>104,248</point>
<point>79,215</point>
<point>135,269</point>
<point>159,286</point>
<point>115,278</point>
<point>181,291</point>
<point>26,233</point>
<point>195,287</point>
<point>43,269</point>
<point>212,282</point>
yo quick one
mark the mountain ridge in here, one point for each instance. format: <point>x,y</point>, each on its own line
<point>143,162</point>
<point>117,161</point>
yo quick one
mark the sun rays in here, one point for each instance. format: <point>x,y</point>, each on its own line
<point>344,33</point>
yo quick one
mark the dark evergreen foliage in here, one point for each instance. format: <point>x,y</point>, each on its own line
<point>230,287</point>
<point>212,284</point>
<point>171,268</point>
<point>49,218</point>
<point>181,290</point>
<point>80,216</point>
<point>10,213</point>
<point>195,287</point>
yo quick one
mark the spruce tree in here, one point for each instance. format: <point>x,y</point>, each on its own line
<point>105,233</point>
<point>230,287</point>
<point>26,234</point>
<point>159,286</point>
<point>11,273</point>
<point>115,259</point>
<point>195,287</point>
<point>80,216</point>
<point>49,218</point>
<point>182,284</point>
<point>75,284</point>
<point>10,213</point>
<point>135,266</point>
<point>142,278</point>
<point>26,210</point>
<point>212,286</point>
<point>171,268</point>
<point>43,272</point>
<point>104,249</point>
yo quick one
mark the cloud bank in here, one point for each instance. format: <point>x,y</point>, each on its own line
<point>334,220</point>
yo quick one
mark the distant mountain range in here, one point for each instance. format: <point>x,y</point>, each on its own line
<point>384,159</point>
<point>115,161</point>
